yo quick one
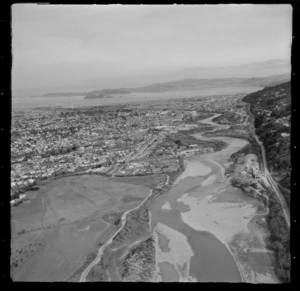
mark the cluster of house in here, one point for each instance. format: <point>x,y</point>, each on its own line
<point>264,112</point>
<point>49,143</point>
<point>252,167</point>
<point>284,121</point>
<point>224,103</point>
<point>150,166</point>
<point>54,142</point>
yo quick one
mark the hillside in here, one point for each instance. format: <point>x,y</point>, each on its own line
<point>191,84</point>
<point>181,85</point>
<point>194,84</point>
<point>65,94</point>
<point>271,108</point>
<point>258,69</point>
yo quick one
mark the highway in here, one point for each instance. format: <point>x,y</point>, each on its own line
<point>272,183</point>
<point>269,178</point>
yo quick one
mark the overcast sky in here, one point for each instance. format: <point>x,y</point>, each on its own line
<point>61,45</point>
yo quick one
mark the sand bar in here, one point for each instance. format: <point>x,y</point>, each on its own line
<point>193,169</point>
<point>209,180</point>
<point>179,253</point>
<point>167,206</point>
<point>222,219</point>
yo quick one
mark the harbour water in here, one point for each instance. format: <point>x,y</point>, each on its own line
<point>29,102</point>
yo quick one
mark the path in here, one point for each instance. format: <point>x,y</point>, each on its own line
<point>123,220</point>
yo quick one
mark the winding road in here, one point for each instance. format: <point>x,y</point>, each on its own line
<point>269,178</point>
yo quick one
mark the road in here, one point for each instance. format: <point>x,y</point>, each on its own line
<point>269,178</point>
<point>273,184</point>
<point>123,222</point>
<point>141,151</point>
<point>100,252</point>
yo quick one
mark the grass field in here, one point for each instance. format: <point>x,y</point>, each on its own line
<point>52,235</point>
<point>149,181</point>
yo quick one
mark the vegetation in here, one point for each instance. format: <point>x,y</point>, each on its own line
<point>251,148</point>
<point>279,240</point>
<point>97,273</point>
<point>229,118</point>
<point>113,218</point>
<point>138,265</point>
<point>271,108</point>
<point>137,224</point>
<point>185,138</point>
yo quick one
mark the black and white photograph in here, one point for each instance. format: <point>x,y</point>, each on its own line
<point>150,143</point>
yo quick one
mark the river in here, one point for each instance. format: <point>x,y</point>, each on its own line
<point>210,259</point>
<point>203,227</point>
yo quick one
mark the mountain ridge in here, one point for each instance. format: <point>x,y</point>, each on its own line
<point>184,84</point>
<point>194,83</point>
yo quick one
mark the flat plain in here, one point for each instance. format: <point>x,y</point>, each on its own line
<point>61,224</point>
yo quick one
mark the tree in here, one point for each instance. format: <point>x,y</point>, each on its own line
<point>178,142</point>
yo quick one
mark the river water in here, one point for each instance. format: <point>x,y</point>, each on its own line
<point>211,260</point>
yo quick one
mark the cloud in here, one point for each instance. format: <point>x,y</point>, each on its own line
<point>51,42</point>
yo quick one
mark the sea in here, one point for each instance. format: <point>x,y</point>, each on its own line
<point>31,102</point>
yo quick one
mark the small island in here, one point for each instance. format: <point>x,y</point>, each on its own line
<point>63,94</point>
<point>96,95</point>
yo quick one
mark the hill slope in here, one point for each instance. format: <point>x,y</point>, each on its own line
<point>272,110</point>
<point>193,84</point>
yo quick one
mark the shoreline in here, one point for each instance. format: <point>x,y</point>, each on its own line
<point>178,256</point>
<point>246,273</point>
<point>221,168</point>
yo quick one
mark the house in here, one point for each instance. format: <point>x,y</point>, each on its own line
<point>284,134</point>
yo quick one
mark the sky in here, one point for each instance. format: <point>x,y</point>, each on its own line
<point>60,46</point>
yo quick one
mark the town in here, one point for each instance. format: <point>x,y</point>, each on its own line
<point>121,140</point>
<point>149,139</point>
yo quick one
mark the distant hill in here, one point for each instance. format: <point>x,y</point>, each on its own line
<point>182,85</point>
<point>257,69</point>
<point>193,84</point>
<point>268,81</point>
<point>65,94</point>
<point>115,91</point>
<point>129,80</point>
<point>272,110</point>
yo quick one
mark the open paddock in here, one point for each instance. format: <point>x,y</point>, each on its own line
<point>53,234</point>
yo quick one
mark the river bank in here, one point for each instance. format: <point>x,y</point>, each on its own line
<point>205,208</point>
<point>65,220</point>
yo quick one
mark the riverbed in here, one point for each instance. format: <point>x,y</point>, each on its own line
<point>209,217</point>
